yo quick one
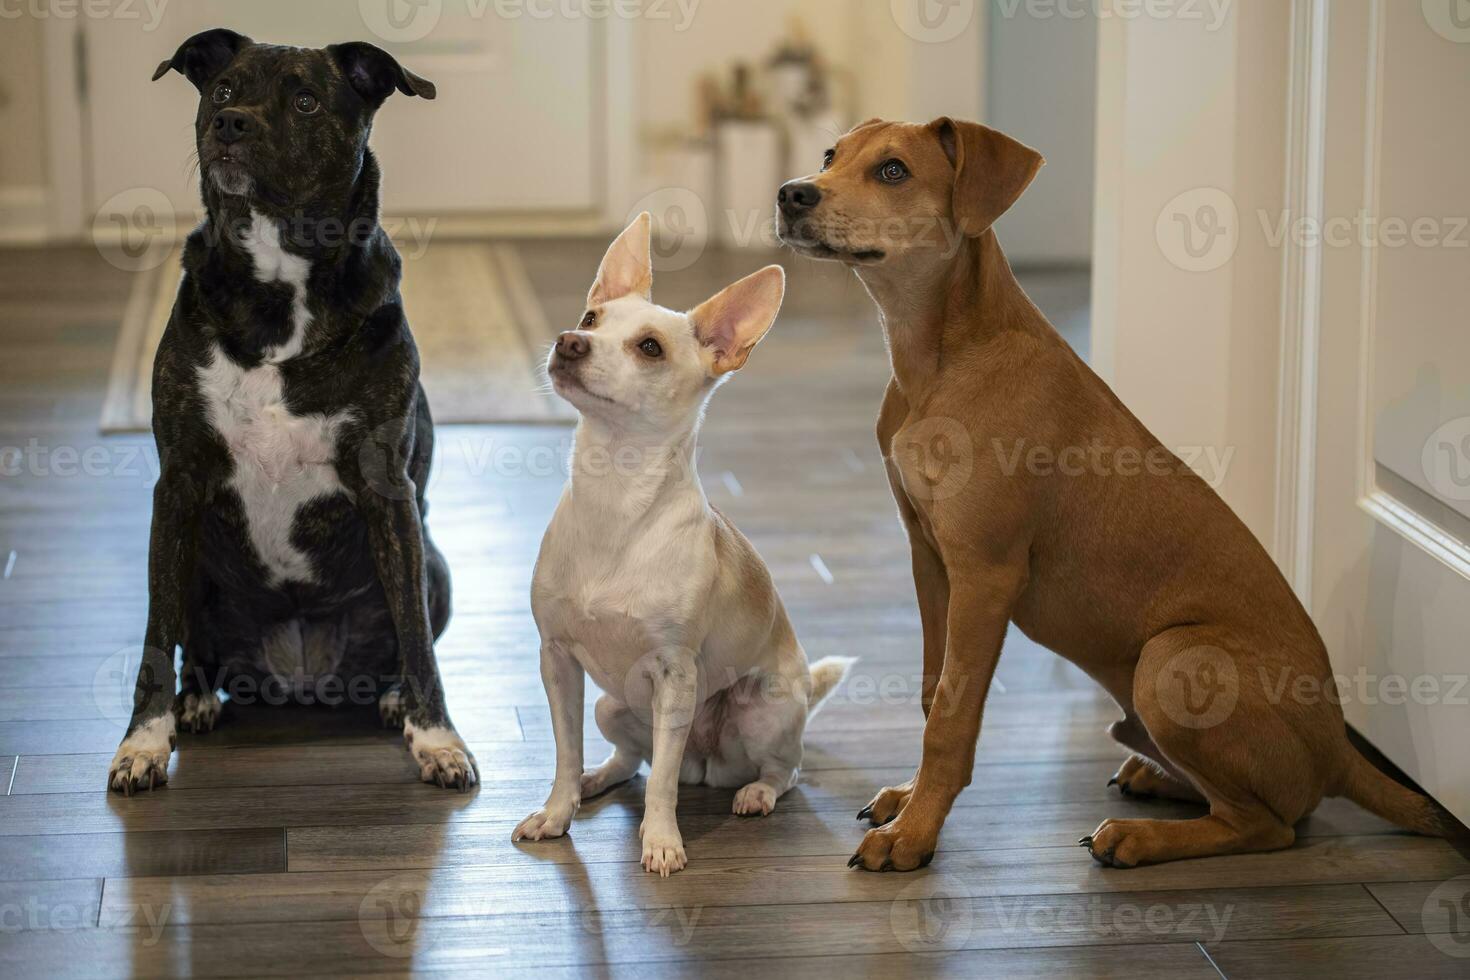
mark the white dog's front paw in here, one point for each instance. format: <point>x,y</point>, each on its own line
<point>755,800</point>
<point>544,824</point>
<point>663,848</point>
<point>442,756</point>
<point>197,713</point>
<point>141,761</point>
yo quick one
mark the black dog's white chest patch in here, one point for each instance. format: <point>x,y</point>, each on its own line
<point>281,460</point>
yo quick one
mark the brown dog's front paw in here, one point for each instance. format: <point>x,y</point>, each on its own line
<point>887,804</point>
<point>1110,843</point>
<point>894,847</point>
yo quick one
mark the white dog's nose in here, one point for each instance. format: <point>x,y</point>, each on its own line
<point>573,345</point>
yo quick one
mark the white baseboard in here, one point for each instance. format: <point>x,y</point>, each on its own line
<point>24,216</point>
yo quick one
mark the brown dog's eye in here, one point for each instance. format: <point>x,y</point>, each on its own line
<point>589,320</point>
<point>222,93</point>
<point>651,348</point>
<point>893,171</point>
<point>306,103</point>
<point>827,158</point>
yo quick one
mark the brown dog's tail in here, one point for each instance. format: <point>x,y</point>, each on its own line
<point>827,673</point>
<point>1384,796</point>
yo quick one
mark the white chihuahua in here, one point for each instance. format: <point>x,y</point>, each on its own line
<point>644,585</point>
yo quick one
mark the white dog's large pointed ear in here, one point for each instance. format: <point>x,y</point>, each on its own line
<point>627,268</point>
<point>734,320</point>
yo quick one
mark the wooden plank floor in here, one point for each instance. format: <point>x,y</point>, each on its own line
<point>298,840</point>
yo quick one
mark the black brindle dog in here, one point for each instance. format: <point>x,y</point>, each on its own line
<point>289,551</point>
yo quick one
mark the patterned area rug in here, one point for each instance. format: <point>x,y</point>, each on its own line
<point>481,332</point>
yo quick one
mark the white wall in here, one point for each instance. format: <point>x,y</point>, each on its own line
<point>22,145</point>
<point>886,71</point>
<point>1040,81</point>
<point>654,63</point>
<point>1195,352</point>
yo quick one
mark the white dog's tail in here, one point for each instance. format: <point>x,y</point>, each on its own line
<point>827,673</point>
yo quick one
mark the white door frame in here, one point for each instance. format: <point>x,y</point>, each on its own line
<point>1303,297</point>
<point>1385,584</point>
<point>1301,292</point>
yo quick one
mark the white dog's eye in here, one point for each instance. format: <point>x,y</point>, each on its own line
<point>651,348</point>
<point>588,320</point>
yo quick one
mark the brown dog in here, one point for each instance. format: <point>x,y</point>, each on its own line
<point>1031,495</point>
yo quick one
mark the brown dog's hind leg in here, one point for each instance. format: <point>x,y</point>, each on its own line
<point>1127,843</point>
<point>1142,775</point>
<point>1140,778</point>
<point>1212,723</point>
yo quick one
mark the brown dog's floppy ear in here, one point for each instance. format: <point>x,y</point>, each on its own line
<point>991,171</point>
<point>204,56</point>
<point>375,74</point>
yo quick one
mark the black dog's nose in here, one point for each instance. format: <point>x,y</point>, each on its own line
<point>797,196</point>
<point>573,346</point>
<point>231,125</point>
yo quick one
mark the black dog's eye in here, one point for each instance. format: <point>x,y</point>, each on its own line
<point>651,348</point>
<point>222,93</point>
<point>827,158</point>
<point>893,171</point>
<point>589,320</point>
<point>306,103</point>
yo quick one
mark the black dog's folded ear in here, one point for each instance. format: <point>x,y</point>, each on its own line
<point>991,171</point>
<point>204,56</point>
<point>375,74</point>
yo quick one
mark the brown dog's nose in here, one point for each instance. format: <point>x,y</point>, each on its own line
<point>231,125</point>
<point>573,346</point>
<point>797,196</point>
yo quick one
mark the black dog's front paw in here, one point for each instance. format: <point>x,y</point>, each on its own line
<point>442,757</point>
<point>141,762</point>
<point>392,707</point>
<point>197,713</point>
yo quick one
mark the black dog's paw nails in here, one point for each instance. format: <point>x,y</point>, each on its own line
<point>1113,782</point>
<point>856,861</point>
<point>141,762</point>
<point>442,757</point>
<point>865,813</point>
<point>1085,842</point>
<point>196,713</point>
<point>391,708</point>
